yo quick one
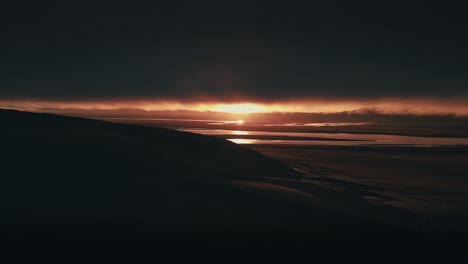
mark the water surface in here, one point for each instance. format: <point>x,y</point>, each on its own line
<point>340,139</point>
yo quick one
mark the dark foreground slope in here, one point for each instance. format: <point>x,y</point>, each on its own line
<point>78,182</point>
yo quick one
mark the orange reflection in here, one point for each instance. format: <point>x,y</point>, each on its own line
<point>242,140</point>
<point>239,132</point>
<point>239,122</point>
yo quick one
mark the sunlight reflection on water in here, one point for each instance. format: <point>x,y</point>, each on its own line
<point>242,140</point>
<point>239,132</point>
<point>343,139</point>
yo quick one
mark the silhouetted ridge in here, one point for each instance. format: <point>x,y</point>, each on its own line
<point>183,146</point>
<point>70,175</point>
<point>78,182</point>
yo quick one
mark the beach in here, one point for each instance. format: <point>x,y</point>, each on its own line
<point>429,183</point>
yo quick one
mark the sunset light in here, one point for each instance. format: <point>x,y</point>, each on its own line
<point>286,129</point>
<point>239,132</point>
<point>239,108</point>
<point>317,105</point>
<point>238,122</point>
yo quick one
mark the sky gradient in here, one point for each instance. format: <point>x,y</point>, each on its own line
<point>192,52</point>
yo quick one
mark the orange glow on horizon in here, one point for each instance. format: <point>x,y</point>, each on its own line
<point>239,108</point>
<point>391,105</point>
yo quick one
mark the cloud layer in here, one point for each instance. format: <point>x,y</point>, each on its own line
<point>191,52</point>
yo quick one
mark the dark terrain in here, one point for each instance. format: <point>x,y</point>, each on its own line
<point>73,182</point>
<point>430,182</point>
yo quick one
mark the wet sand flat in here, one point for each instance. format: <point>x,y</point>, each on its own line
<point>430,182</point>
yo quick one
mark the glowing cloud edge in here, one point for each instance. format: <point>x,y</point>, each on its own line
<point>389,105</point>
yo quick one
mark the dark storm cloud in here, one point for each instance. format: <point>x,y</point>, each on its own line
<point>262,51</point>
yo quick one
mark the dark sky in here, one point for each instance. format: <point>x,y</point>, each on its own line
<point>232,50</point>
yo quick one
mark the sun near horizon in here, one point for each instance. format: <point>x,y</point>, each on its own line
<point>242,108</point>
<point>419,106</point>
